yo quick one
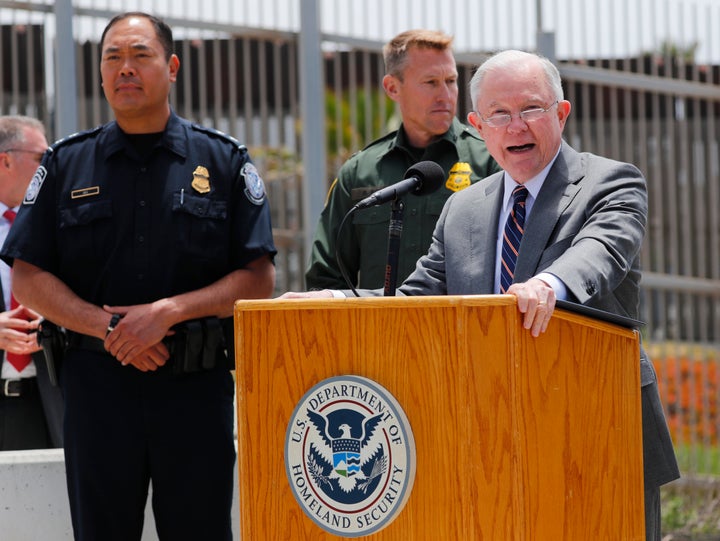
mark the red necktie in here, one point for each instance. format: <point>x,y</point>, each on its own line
<point>19,361</point>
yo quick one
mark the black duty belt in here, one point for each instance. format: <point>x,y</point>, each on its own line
<point>196,345</point>
<point>14,388</point>
<point>89,343</point>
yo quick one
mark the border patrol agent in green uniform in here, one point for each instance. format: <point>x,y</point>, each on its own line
<point>363,243</point>
<point>422,79</point>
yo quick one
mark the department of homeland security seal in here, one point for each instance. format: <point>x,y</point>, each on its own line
<point>350,456</point>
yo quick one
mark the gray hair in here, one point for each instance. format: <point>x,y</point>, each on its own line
<point>505,60</point>
<point>12,129</point>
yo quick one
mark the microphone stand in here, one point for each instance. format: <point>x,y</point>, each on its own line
<point>393,249</point>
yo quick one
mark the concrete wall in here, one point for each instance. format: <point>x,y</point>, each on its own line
<point>34,503</point>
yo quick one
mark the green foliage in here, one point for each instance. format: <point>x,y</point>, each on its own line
<point>691,505</point>
<point>699,459</point>
<point>353,120</point>
<point>691,510</point>
<point>676,513</point>
<point>673,50</point>
<point>347,129</point>
<point>276,162</point>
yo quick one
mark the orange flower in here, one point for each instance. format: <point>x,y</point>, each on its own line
<point>688,385</point>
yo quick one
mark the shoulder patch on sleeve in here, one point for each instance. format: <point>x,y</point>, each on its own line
<point>34,187</point>
<point>254,185</point>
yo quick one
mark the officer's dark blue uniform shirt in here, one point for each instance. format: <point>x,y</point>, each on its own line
<point>121,230</point>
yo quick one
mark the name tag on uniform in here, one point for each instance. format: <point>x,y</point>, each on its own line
<point>85,192</point>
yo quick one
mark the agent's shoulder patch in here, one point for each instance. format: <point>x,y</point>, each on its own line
<point>254,185</point>
<point>33,188</point>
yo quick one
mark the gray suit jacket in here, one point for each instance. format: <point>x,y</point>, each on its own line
<point>586,227</point>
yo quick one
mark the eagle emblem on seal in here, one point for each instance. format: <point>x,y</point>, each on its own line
<point>346,453</point>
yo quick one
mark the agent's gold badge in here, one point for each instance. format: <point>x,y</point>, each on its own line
<point>201,179</point>
<point>459,177</point>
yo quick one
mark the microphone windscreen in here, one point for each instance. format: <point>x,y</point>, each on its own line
<point>430,174</point>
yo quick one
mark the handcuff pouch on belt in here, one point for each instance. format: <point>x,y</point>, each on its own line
<point>54,342</point>
<point>199,344</point>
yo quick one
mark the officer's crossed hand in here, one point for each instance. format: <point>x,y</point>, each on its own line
<point>137,338</point>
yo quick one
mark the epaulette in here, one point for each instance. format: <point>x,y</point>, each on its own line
<point>388,136</point>
<point>469,130</point>
<point>220,135</point>
<point>75,137</point>
<point>384,139</point>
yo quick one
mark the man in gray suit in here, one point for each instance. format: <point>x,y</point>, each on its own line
<point>581,221</point>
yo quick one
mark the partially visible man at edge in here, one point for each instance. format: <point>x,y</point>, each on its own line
<point>421,77</point>
<point>584,224</point>
<point>30,405</point>
<point>137,237</point>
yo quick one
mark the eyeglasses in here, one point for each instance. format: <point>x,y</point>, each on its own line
<point>36,154</point>
<point>528,116</point>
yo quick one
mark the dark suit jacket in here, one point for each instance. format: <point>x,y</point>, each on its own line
<point>586,227</point>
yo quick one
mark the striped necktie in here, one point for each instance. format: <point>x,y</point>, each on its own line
<point>512,235</point>
<point>19,361</point>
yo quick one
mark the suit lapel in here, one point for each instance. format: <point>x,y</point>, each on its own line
<point>483,222</point>
<point>556,194</point>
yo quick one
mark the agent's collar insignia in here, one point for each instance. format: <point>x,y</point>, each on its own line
<point>85,192</point>
<point>201,179</point>
<point>459,177</point>
<point>254,186</point>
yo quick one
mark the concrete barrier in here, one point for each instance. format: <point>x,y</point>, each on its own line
<point>34,503</point>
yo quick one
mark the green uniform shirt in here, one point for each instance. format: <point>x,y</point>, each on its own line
<point>363,240</point>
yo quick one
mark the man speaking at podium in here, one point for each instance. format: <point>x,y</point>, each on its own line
<point>555,224</point>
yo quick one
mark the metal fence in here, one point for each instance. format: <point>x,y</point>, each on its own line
<point>298,81</point>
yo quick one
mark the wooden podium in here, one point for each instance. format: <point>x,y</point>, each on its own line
<point>517,438</point>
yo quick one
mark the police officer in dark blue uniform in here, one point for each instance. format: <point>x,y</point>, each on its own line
<point>137,237</point>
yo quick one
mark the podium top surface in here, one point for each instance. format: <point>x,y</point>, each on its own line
<point>563,309</point>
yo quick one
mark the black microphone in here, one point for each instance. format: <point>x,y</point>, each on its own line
<point>420,179</point>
